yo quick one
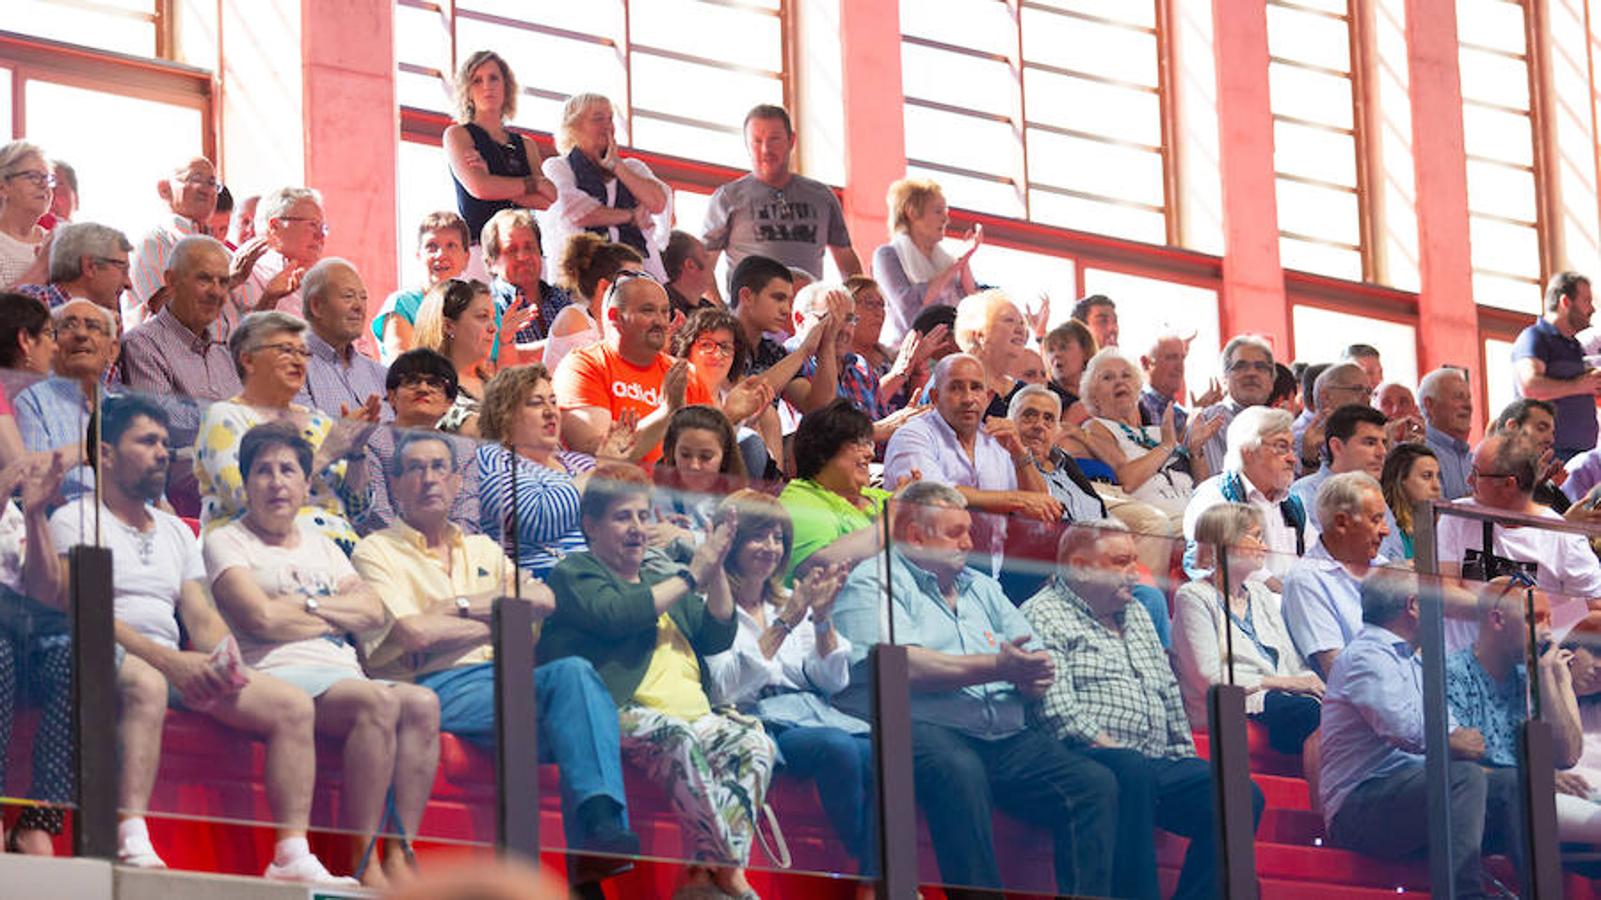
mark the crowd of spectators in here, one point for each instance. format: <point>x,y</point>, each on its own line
<point>719,496</point>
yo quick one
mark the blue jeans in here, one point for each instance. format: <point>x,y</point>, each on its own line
<point>842,765</point>
<point>577,727</point>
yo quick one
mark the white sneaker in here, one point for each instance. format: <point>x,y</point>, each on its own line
<point>140,857</point>
<point>308,869</point>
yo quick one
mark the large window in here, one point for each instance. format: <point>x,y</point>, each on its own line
<point>1498,134</point>
<point>1315,140</point>
<point>1050,110</point>
<point>134,27</point>
<point>681,74</point>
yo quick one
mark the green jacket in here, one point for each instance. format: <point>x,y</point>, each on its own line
<point>612,622</point>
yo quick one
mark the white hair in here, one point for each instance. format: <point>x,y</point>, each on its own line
<point>276,204</point>
<point>316,279</point>
<point>254,330</point>
<point>1015,407</point>
<point>1343,493</point>
<point>106,315</point>
<point>973,315</point>
<point>191,245</point>
<point>1099,361</point>
<point>918,501</point>
<point>1250,428</point>
<point>1434,382</point>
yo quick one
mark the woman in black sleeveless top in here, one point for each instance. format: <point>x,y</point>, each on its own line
<point>493,169</point>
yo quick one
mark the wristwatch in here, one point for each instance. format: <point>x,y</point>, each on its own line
<point>689,578</point>
<point>464,607</point>
<point>312,605</point>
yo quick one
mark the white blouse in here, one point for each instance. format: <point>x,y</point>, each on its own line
<point>561,221</point>
<point>1198,654</point>
<point>739,674</point>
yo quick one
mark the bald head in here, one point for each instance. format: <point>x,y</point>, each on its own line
<point>197,278</point>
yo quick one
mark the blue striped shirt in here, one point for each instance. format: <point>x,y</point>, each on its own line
<point>547,505</point>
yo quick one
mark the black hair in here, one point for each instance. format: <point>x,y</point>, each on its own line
<point>680,244</point>
<point>1517,412</point>
<point>713,319</point>
<point>940,314</point>
<point>268,435</point>
<point>422,361</point>
<point>1284,384</point>
<point>115,416</point>
<point>823,432</point>
<point>755,272</point>
<point>1343,421</point>
<point>19,313</point>
<point>224,200</point>
<point>1081,309</point>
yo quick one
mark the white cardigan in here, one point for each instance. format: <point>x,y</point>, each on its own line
<point>1198,646</point>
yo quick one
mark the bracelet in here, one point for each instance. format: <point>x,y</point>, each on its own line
<point>781,622</point>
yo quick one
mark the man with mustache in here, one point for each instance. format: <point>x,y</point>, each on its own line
<point>339,378</point>
<point>182,353</point>
<point>159,580</point>
<point>1249,371</point>
<point>51,414</point>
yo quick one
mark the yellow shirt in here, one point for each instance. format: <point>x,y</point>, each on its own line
<point>672,682</point>
<point>412,581</point>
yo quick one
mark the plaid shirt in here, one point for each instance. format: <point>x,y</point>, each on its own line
<point>551,301</point>
<point>332,382</point>
<point>858,383</point>
<point>166,361</point>
<point>1119,684</point>
<point>50,295</point>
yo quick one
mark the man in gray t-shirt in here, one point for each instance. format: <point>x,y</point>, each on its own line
<point>775,212</point>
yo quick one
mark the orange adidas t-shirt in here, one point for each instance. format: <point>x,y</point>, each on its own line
<point>598,375</point>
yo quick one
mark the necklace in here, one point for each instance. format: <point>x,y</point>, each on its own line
<point>1139,437</point>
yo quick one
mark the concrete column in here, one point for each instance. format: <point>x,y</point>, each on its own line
<point>1252,299</point>
<point>1448,331</point>
<point>875,133</point>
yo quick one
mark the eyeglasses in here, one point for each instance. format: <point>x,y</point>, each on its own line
<point>201,181</point>
<point>298,352</point>
<point>39,179</point>
<point>75,324</point>
<point>316,224</point>
<point>721,348</point>
<point>1251,365</point>
<point>1477,474</point>
<point>114,263</point>
<point>432,382</point>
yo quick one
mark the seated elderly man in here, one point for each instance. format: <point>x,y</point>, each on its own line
<point>190,194</point>
<point>340,379</point>
<point>1322,604</point>
<point>1116,700</point>
<point>268,269</point>
<point>1353,441</point>
<point>52,414</point>
<point>1037,411</point>
<point>985,461</point>
<point>1248,372</point>
<point>1502,477</point>
<point>181,352</point>
<point>972,674</point>
<point>89,261</point>
<point>1258,470</point>
<point>160,597</point>
<point>1372,786</point>
<point>1448,417</point>
<point>440,586</point>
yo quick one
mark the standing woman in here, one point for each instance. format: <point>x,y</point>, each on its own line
<point>492,168</point>
<point>599,192</point>
<point>26,187</point>
<point>913,270</point>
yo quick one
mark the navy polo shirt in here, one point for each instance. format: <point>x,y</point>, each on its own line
<point>1564,358</point>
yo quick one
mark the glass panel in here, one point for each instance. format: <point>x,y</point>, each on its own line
<point>690,142</point>
<point>985,85</point>
<point>744,38</point>
<point>98,28</point>
<point>984,25</point>
<point>1499,381</point>
<point>1124,54</point>
<point>1090,106</point>
<point>428,188</point>
<point>1497,24</point>
<point>1315,96</point>
<point>987,146</point>
<point>602,17</point>
<point>1314,153</point>
<point>1507,293</point>
<point>1027,277</point>
<point>1505,248</point>
<point>1320,259</point>
<point>1493,78</point>
<point>434,93</point>
<point>1127,11</point>
<point>1321,335</point>
<point>979,194</point>
<point>1151,308</point>
<point>6,124</point>
<point>1497,134</point>
<point>1094,167</point>
<point>1100,218</point>
<point>113,189</point>
<point>1308,37</point>
<point>661,84</point>
<point>422,36</point>
<point>1320,212</point>
<point>1500,190</point>
<point>689,210</point>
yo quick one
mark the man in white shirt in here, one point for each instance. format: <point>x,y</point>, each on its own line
<point>159,579</point>
<point>1323,592</point>
<point>1249,372</point>
<point>190,193</point>
<point>985,462</point>
<point>1258,470</point>
<point>268,268</point>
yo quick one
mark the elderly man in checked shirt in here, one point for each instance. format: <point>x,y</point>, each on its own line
<point>1115,699</point>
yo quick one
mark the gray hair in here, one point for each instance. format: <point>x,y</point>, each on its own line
<point>942,369</point>
<point>573,110</point>
<point>813,298</point>
<point>1434,382</point>
<point>1343,493</point>
<point>1083,535</point>
<point>1241,341</point>
<point>1251,427</point>
<point>17,151</point>
<point>106,315</point>
<point>1385,594</point>
<point>1226,523</point>
<point>1015,408</point>
<point>189,246</point>
<point>920,497</point>
<point>1099,361</point>
<point>1325,380</point>
<point>1155,346</point>
<point>275,204</point>
<point>76,240</point>
<point>254,330</point>
<point>315,282</point>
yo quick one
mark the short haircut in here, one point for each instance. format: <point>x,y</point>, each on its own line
<point>224,200</point>
<point>1027,392</point>
<point>1398,465</point>
<point>1309,376</point>
<point>1360,351</point>
<point>755,272</point>
<point>1343,493</point>
<point>709,319</point>
<point>116,415</point>
<point>67,175</point>
<point>1385,594</point>
<point>1071,331</point>
<point>706,418</point>
<point>909,198</point>
<point>571,112</point>
<point>1562,285</point>
<point>276,204</point>
<point>973,314</point>
<point>1284,384</point>
<point>254,330</point>
<point>1226,523</point>
<point>588,259</point>
<point>422,361</point>
<point>187,248</point>
<point>19,314</point>
<point>1240,342</point>
<point>942,369</point>
<point>1081,309</point>
<point>609,483</point>
<point>75,240</point>
<point>915,502</point>
<point>769,111</point>
<point>1083,535</point>
<point>1434,382</point>
<point>934,316</point>
<point>445,300</point>
<point>823,432</point>
<point>504,395</point>
<point>410,437</point>
<point>1517,412</point>
<point>273,434</point>
<point>315,282</point>
<point>1325,380</point>
<point>492,237</point>
<point>1516,455</point>
<point>462,86</point>
<point>1343,422</point>
<point>1110,356</point>
<point>106,315</point>
<point>1250,427</point>
<point>680,247</point>
<point>13,154</point>
<point>444,220</point>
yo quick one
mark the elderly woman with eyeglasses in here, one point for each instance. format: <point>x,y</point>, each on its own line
<point>269,351</point>
<point>26,187</point>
